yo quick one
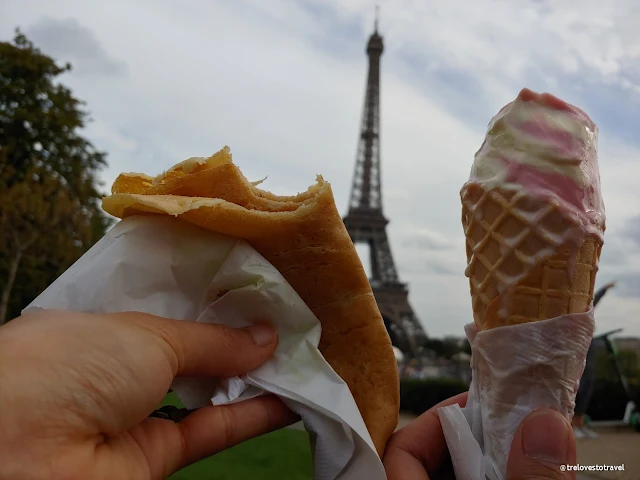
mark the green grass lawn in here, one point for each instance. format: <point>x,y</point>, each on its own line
<point>284,454</point>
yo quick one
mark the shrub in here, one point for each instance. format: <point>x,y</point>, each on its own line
<point>609,400</point>
<point>418,396</point>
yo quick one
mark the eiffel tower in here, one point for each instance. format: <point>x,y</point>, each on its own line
<point>366,222</point>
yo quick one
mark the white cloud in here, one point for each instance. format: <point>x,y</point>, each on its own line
<point>67,36</point>
<point>503,41</point>
<point>617,312</point>
<point>283,85</point>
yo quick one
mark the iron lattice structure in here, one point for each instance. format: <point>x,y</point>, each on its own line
<point>366,222</point>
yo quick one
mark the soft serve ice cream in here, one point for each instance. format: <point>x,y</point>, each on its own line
<point>547,147</point>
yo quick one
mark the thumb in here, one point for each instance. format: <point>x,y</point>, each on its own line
<point>205,349</point>
<point>542,448</point>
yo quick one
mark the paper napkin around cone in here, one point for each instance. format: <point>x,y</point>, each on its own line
<point>516,369</point>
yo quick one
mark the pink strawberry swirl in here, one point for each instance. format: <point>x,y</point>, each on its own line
<point>548,148</point>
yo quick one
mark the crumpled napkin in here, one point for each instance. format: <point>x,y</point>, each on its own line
<point>163,266</point>
<point>516,370</point>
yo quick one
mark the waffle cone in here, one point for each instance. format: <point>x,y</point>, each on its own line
<point>523,263</point>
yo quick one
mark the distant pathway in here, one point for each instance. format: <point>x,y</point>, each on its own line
<point>612,447</point>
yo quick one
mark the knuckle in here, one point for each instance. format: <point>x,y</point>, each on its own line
<point>269,421</point>
<point>167,336</point>
<point>230,338</point>
<point>183,453</point>
<point>229,422</point>
<point>172,346</point>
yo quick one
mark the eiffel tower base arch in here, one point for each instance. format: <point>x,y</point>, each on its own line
<point>400,321</point>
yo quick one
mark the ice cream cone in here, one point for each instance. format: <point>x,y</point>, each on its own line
<point>532,214</point>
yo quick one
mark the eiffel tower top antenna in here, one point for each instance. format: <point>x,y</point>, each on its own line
<point>365,191</point>
<point>375,22</point>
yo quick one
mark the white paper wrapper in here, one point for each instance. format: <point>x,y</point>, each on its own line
<point>516,370</point>
<point>166,267</point>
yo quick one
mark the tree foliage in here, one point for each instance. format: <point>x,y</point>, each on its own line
<point>49,201</point>
<point>448,346</point>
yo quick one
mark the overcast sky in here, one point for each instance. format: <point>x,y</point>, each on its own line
<point>282,83</point>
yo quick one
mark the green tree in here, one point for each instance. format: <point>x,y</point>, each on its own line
<point>629,364</point>
<point>448,346</point>
<point>49,201</point>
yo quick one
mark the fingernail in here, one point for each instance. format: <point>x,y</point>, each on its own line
<point>262,334</point>
<point>545,436</point>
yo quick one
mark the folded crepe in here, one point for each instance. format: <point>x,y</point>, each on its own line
<point>303,236</point>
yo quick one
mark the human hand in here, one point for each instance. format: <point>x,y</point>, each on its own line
<point>543,442</point>
<point>76,391</point>
<point>419,451</point>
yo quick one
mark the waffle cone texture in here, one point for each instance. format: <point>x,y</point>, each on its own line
<point>521,263</point>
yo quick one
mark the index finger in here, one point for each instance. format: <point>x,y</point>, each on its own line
<point>419,449</point>
<point>167,446</point>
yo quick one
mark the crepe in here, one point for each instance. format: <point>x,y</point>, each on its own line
<point>533,214</point>
<point>303,236</point>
